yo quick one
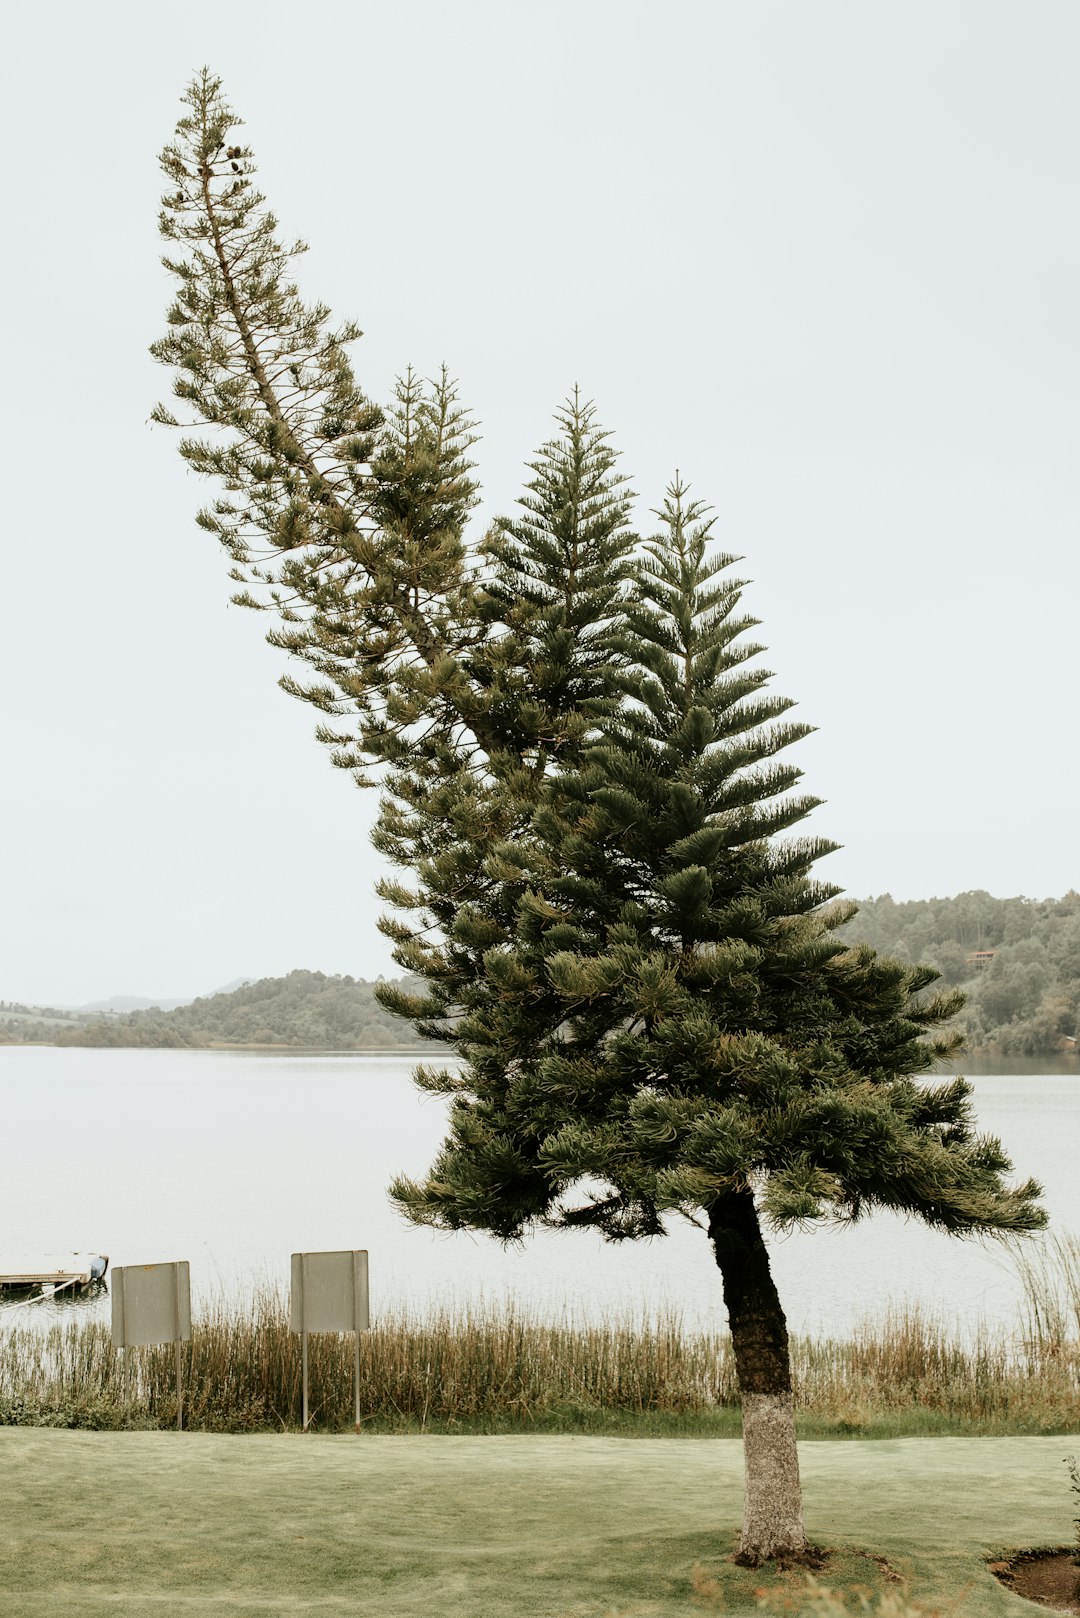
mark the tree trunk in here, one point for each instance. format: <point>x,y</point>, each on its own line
<point>772,1506</point>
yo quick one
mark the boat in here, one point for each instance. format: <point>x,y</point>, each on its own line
<point>51,1272</point>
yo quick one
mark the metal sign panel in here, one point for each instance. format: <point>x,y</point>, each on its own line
<point>151,1303</point>
<point>329,1292</point>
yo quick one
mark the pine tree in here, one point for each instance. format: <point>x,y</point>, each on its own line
<point>676,1023</point>
<point>550,593</point>
<point>348,522</point>
<point>345,524</point>
<point>580,777</point>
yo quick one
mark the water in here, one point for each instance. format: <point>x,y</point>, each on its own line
<point>235,1160</point>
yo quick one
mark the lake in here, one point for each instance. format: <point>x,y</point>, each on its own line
<point>234,1160</point>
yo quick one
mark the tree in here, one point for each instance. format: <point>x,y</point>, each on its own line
<point>675,1026</point>
<point>579,774</point>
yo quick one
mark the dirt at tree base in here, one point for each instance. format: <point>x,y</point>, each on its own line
<point>1052,1578</point>
<point>811,1557</point>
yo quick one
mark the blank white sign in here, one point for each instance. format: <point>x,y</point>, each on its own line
<point>151,1303</point>
<point>329,1292</point>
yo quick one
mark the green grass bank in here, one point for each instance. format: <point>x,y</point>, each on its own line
<point>135,1523</point>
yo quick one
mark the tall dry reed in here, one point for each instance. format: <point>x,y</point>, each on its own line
<point>503,1368</point>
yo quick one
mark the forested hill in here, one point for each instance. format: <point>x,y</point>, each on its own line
<point>1018,960</point>
<point>303,1011</point>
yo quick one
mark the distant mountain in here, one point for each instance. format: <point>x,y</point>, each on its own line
<point>137,1002</point>
<point>131,1002</point>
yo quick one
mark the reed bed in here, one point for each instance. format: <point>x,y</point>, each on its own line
<point>504,1370</point>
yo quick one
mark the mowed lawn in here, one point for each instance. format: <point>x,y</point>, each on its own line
<point>131,1524</point>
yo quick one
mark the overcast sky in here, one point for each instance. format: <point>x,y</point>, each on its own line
<point>823,258</point>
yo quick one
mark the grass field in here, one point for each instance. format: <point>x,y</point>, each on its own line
<point>130,1524</point>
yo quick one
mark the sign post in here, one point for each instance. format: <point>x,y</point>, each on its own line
<point>329,1293</point>
<point>151,1303</point>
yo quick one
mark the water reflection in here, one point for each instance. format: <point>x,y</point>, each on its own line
<point>55,1303</point>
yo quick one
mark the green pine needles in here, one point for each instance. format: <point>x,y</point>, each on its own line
<point>582,780</point>
<point>671,1017</point>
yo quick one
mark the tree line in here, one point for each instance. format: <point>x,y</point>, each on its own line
<point>1017,961</point>
<point>302,1011</point>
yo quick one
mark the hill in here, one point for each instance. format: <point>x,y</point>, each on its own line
<point>1018,961</point>
<point>302,1011</point>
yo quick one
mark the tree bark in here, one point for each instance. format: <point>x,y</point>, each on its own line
<point>772,1502</point>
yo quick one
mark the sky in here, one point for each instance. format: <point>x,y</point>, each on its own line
<point>821,259</point>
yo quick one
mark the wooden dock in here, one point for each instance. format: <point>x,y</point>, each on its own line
<point>27,1272</point>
